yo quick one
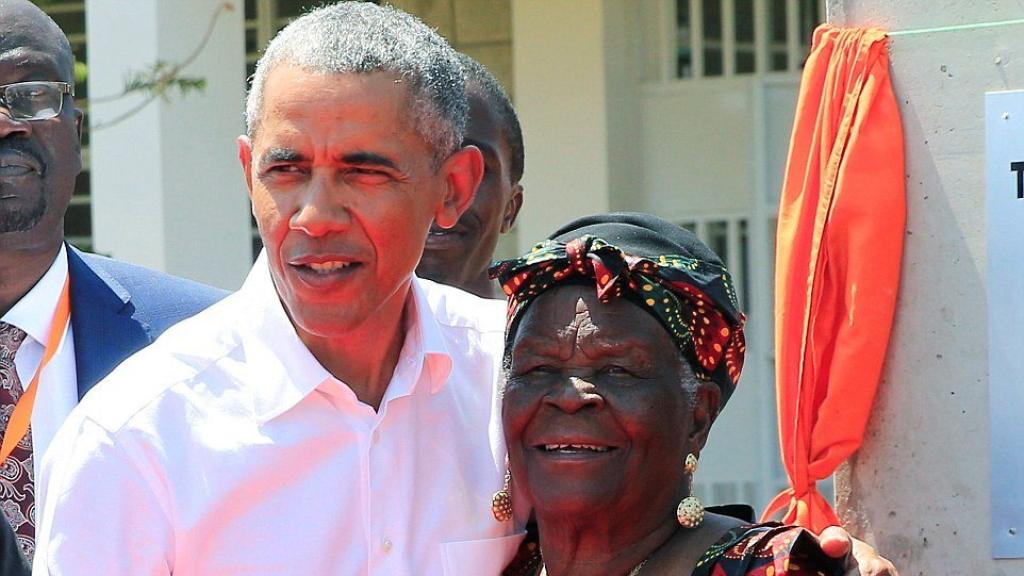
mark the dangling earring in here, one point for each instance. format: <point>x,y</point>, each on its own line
<point>690,467</point>
<point>690,512</point>
<point>501,503</point>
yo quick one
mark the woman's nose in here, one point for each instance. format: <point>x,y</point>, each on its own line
<point>574,394</point>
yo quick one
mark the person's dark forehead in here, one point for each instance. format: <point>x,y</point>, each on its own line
<point>485,112</point>
<point>619,317</point>
<point>29,57</point>
<point>30,40</point>
<point>485,127</point>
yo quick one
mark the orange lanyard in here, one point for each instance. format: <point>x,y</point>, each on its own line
<point>17,427</point>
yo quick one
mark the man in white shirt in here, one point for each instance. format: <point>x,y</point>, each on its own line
<point>112,309</point>
<point>337,415</point>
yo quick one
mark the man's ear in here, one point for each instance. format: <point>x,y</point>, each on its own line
<point>706,404</point>
<point>245,157</point>
<point>462,172</point>
<point>79,123</point>
<point>512,207</point>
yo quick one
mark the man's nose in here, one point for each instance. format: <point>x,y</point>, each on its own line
<point>11,127</point>
<point>324,208</point>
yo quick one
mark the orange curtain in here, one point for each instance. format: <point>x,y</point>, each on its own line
<point>840,239</point>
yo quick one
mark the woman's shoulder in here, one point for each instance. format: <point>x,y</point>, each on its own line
<point>767,549</point>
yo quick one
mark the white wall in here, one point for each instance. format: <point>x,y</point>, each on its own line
<point>698,148</point>
<point>919,488</point>
<point>167,189</point>
<point>558,57</point>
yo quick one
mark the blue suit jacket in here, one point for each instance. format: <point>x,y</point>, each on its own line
<point>119,308</point>
<point>116,309</point>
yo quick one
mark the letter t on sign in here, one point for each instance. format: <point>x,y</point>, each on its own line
<point>1018,167</point>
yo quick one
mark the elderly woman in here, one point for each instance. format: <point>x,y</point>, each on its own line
<point>624,342</point>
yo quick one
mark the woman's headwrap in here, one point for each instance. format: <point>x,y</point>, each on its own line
<point>661,267</point>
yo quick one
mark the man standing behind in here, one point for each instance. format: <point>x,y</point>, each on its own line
<point>460,256</point>
<point>66,318</point>
<point>336,415</point>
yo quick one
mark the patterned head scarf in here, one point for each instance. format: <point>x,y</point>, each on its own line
<point>659,266</point>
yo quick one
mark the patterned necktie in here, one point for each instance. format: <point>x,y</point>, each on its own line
<point>17,474</point>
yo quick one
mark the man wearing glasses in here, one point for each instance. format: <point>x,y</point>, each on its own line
<point>66,318</point>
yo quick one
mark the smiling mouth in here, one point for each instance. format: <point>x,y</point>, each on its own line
<point>574,448</point>
<point>436,232</point>
<point>325,270</point>
<point>329,267</point>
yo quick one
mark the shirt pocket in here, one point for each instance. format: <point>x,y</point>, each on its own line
<point>480,557</point>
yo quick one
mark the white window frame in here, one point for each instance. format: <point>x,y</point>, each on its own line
<point>671,36</point>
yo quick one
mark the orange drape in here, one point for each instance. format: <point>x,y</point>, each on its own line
<point>840,238</point>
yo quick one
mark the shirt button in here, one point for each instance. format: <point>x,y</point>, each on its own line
<point>386,545</point>
<point>376,436</point>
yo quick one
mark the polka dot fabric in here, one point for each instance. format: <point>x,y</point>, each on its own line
<point>693,299</point>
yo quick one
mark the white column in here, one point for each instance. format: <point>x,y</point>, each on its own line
<point>167,189</point>
<point>919,487</point>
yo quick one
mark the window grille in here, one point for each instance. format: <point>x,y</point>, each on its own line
<point>734,37</point>
<point>70,16</point>
<point>729,238</point>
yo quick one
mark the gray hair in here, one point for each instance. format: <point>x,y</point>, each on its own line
<point>360,37</point>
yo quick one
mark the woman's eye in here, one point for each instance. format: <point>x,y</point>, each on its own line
<point>616,370</point>
<point>544,369</point>
<point>529,372</point>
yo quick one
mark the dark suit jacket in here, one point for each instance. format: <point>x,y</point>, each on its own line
<point>116,309</point>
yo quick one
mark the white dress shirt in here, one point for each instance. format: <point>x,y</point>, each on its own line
<point>226,448</point>
<point>58,383</point>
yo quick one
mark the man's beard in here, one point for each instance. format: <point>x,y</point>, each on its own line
<point>14,220</point>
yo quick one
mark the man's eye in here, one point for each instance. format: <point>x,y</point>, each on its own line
<point>371,175</point>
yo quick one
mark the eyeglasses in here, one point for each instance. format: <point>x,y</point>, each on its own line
<point>34,100</point>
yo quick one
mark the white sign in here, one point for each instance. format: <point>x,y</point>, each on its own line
<point>1004,154</point>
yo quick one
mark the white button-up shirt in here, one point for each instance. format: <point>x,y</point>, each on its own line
<point>226,448</point>
<point>58,383</point>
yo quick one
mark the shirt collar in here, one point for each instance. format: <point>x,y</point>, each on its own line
<point>33,313</point>
<point>288,372</point>
<point>282,371</point>
<point>422,326</point>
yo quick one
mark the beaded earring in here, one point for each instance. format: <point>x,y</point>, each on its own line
<point>690,512</point>
<point>501,503</point>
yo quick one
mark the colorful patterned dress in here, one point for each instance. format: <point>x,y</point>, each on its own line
<point>769,549</point>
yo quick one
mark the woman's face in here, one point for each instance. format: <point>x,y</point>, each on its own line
<point>600,410</point>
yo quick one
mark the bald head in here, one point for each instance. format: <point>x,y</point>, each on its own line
<point>28,34</point>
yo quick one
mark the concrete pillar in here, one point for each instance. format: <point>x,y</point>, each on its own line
<point>167,189</point>
<point>577,154</point>
<point>919,487</point>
